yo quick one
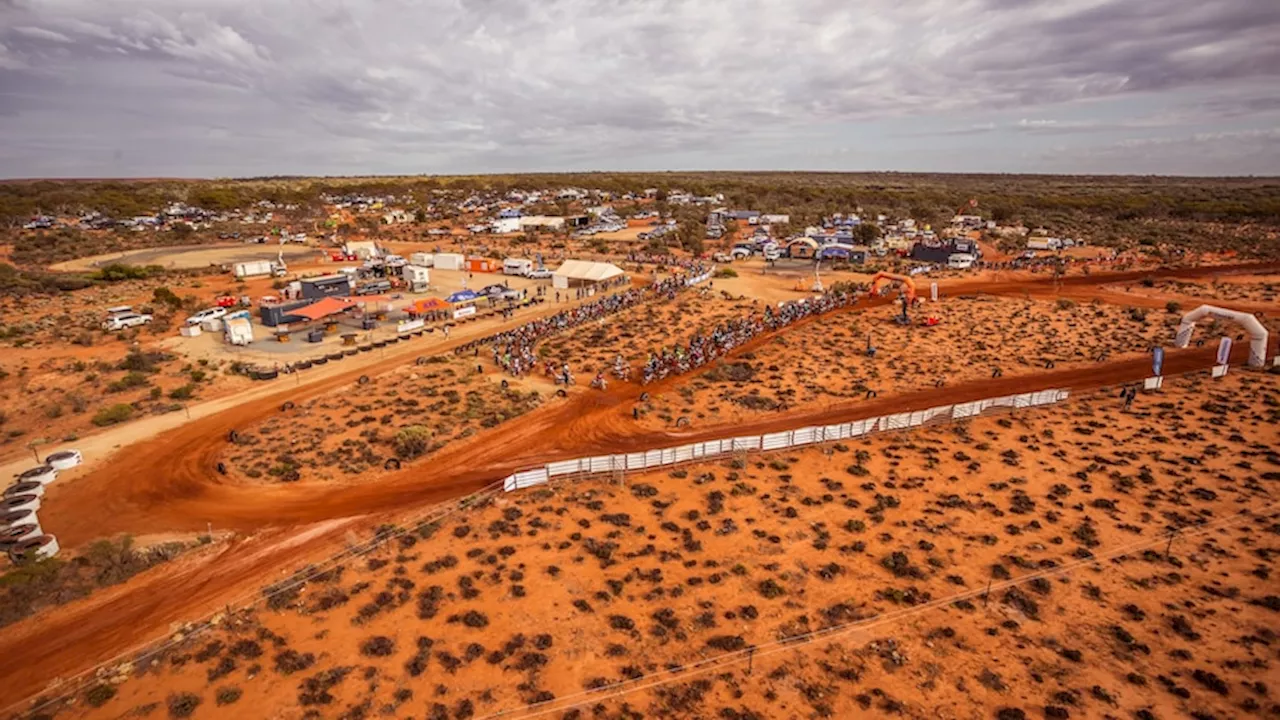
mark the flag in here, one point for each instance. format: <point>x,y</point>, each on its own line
<point>1224,350</point>
<point>1157,360</point>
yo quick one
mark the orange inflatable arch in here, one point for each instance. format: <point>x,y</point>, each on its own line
<point>881,278</point>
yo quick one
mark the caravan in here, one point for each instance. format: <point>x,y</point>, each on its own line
<point>517,266</point>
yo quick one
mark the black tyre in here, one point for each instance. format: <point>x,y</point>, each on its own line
<point>233,436</point>
<point>682,421</point>
<point>940,383</point>
<point>365,348</point>
<point>422,360</point>
<point>364,380</point>
<point>287,405</point>
<point>335,356</point>
<point>320,361</point>
<point>644,397</point>
<point>222,468</point>
<point>302,365</point>
<point>380,343</point>
<point>561,393</point>
<point>391,464</point>
<point>872,394</point>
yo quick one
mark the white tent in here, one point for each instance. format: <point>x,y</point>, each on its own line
<point>583,272</point>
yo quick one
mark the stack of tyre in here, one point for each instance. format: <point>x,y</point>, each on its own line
<point>21,536</point>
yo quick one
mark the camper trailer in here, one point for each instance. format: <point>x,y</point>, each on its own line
<point>517,266</point>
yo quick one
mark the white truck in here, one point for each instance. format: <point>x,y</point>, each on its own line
<point>253,268</point>
<point>517,266</point>
<point>960,261</point>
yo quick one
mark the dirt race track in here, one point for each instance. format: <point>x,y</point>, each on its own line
<point>169,484</point>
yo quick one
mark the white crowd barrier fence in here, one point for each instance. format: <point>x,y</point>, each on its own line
<point>770,442</point>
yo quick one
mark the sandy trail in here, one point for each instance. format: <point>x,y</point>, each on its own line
<point>168,483</point>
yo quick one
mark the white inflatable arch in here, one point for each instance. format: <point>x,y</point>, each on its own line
<point>1258,333</point>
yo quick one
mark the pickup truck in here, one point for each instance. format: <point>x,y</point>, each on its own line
<point>209,314</point>
<point>126,320</point>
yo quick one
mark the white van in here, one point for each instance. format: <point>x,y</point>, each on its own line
<point>960,261</point>
<point>517,266</point>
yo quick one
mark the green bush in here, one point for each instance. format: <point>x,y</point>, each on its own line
<point>183,393</point>
<point>726,272</point>
<point>130,380</point>
<point>1173,307</point>
<point>113,414</point>
<point>412,441</point>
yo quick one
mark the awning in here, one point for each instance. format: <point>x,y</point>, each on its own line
<point>426,305</point>
<point>322,308</point>
<point>588,270</point>
<point>462,296</point>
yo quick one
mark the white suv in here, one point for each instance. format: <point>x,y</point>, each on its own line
<point>125,320</point>
<point>210,314</point>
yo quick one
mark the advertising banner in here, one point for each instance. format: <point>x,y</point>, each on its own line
<point>1157,360</point>
<point>1224,350</point>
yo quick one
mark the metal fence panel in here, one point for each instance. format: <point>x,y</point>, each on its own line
<point>746,443</point>
<point>635,461</point>
<point>653,458</point>
<point>807,435</point>
<point>1022,401</point>
<point>601,463</point>
<point>964,410</point>
<point>566,467</point>
<point>774,441</point>
<point>526,479</point>
<point>683,453</point>
<point>897,421</point>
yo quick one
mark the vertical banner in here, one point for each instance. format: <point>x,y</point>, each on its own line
<point>1157,360</point>
<point>933,291</point>
<point>1224,350</point>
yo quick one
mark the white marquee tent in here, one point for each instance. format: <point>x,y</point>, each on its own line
<point>574,273</point>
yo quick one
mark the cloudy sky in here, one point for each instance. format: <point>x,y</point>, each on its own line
<point>216,88</point>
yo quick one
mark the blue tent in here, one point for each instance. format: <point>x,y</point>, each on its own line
<point>462,296</point>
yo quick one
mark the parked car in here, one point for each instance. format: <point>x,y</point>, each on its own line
<point>722,257</point>
<point>209,314</point>
<point>539,274</point>
<point>493,290</point>
<point>125,320</point>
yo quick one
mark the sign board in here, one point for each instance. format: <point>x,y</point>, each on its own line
<point>409,325</point>
<point>464,311</point>
<point>933,291</point>
<point>1219,370</point>
<point>1153,383</point>
<point>1224,351</point>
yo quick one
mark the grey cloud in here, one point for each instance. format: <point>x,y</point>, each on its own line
<point>476,84</point>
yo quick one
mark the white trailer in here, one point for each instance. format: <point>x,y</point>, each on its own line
<point>1044,243</point>
<point>450,261</point>
<point>238,331</point>
<point>254,268</point>
<point>422,259</point>
<point>517,266</point>
<point>416,277</point>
